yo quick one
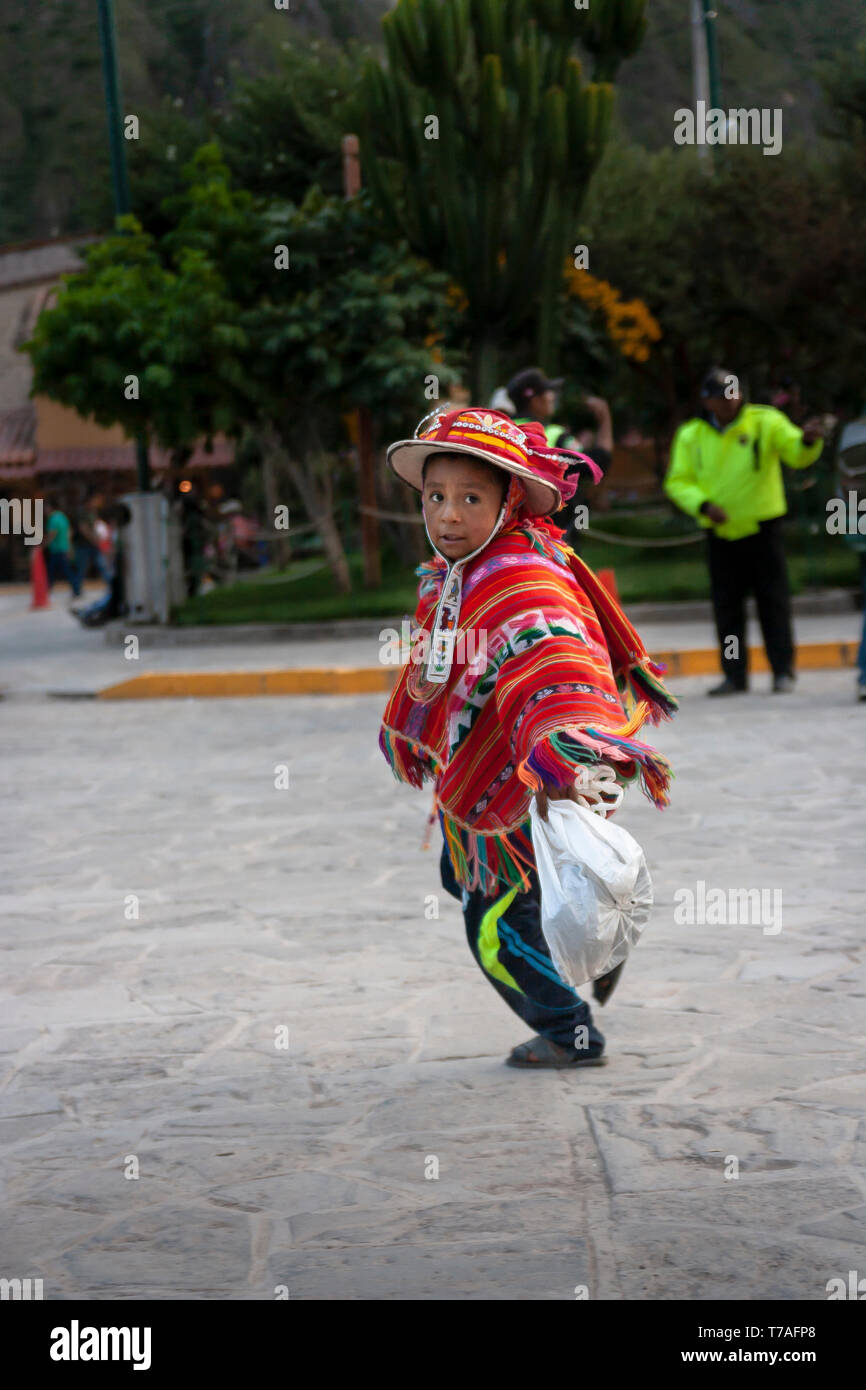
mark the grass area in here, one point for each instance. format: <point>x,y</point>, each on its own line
<point>298,596</point>
<point>663,576</point>
<point>305,593</point>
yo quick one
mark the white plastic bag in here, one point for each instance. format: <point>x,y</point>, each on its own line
<point>596,892</point>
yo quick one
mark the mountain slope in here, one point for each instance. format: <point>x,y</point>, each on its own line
<point>54,170</point>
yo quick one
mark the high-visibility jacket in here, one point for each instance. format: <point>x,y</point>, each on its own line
<point>737,468</point>
<point>558,436</point>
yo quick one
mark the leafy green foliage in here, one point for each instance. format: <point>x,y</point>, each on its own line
<point>348,324</point>
<point>181,58</point>
<point>760,266</point>
<point>129,315</point>
<point>479,140</point>
<point>282,131</point>
<point>220,337</point>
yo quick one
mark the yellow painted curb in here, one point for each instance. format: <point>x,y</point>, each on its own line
<point>367,680</point>
<point>810,656</point>
<point>324,680</point>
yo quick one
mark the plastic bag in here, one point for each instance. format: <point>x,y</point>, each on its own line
<point>596,891</point>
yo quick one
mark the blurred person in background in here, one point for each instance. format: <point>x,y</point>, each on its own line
<point>500,400</point>
<point>112,604</point>
<point>86,539</point>
<point>535,399</point>
<point>195,532</point>
<point>726,471</point>
<point>57,544</point>
<point>238,537</point>
<point>851,488</point>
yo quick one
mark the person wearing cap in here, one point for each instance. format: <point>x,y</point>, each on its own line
<point>726,471</point>
<point>519,666</point>
<point>534,396</point>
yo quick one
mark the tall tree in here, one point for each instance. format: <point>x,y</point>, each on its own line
<point>479,139</point>
<point>276,316</point>
<point>154,348</point>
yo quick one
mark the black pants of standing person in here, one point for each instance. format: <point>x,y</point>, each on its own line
<point>753,565</point>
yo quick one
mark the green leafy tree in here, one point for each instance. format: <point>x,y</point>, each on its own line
<point>153,348</point>
<point>247,314</point>
<point>762,267</point>
<point>352,322</point>
<point>479,140</point>
<point>281,133</point>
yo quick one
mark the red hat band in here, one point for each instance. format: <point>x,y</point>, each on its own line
<point>503,442</point>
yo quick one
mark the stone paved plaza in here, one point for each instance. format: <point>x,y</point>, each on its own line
<point>170,918</point>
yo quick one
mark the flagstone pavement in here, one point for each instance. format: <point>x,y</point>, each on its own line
<point>245,1053</point>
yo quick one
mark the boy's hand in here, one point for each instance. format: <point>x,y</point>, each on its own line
<point>549,792</point>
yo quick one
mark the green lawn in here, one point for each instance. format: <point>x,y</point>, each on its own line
<point>306,593</point>
<point>297,596</point>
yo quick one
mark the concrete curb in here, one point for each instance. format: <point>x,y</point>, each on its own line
<point>149,637</point>
<point>247,633</point>
<point>366,680</point>
<point>335,680</point>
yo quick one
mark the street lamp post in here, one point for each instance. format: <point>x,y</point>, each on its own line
<point>710,17</point>
<point>119,178</point>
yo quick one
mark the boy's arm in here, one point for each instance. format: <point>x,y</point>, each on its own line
<point>550,742</point>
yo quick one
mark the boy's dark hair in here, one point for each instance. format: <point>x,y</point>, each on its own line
<point>501,475</point>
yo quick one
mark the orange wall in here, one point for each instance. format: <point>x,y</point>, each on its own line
<point>57,427</point>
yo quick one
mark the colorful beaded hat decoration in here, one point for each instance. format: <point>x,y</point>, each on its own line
<point>494,437</point>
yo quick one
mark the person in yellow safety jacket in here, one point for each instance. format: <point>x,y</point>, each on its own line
<point>725,470</point>
<point>534,397</point>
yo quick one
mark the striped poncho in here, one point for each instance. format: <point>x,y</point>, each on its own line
<point>551,675</point>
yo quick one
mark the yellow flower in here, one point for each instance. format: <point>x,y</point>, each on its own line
<point>457,299</point>
<point>630,325</point>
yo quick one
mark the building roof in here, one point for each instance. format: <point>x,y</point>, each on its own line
<point>18,463</point>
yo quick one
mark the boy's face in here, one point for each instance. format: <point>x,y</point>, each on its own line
<point>462,498</point>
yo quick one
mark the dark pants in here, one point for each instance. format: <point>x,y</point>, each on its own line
<point>58,565</point>
<point>505,937</point>
<point>87,555</point>
<point>753,565</point>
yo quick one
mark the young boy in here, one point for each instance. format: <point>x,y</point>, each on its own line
<point>536,708</point>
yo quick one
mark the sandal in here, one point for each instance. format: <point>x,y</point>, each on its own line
<point>541,1052</point>
<point>604,986</point>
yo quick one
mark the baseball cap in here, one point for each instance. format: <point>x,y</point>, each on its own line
<point>531,382</point>
<point>715,382</point>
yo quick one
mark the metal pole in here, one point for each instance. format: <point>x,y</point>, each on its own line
<point>119,177</point>
<point>119,180</point>
<point>700,70</point>
<point>710,17</point>
<point>366,458</point>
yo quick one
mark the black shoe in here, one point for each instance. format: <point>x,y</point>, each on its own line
<point>783,685</point>
<point>727,688</point>
<point>541,1052</point>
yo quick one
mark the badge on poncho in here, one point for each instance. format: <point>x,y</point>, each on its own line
<point>444,633</point>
